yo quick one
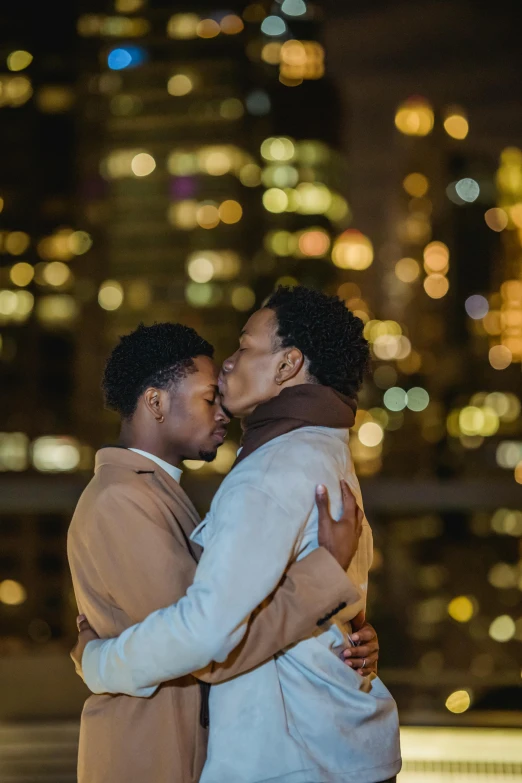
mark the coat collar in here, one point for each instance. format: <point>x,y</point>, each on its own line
<point>118,456</point>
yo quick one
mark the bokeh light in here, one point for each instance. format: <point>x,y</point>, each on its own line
<point>352,250</point>
<point>415,117</point>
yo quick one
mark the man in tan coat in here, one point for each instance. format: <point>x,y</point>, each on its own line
<point>130,554</point>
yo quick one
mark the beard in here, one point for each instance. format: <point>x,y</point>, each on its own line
<point>208,456</point>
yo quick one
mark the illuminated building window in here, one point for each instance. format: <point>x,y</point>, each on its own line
<point>55,454</point>
<point>56,310</point>
<point>14,451</point>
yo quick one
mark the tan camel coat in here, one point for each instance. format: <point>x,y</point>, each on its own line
<point>130,554</point>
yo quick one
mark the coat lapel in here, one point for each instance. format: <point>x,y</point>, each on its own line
<point>184,513</point>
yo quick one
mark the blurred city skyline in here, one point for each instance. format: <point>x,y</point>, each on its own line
<point>176,163</point>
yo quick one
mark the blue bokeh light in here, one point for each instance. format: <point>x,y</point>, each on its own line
<point>126,57</point>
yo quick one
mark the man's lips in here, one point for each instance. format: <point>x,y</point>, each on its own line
<point>219,435</point>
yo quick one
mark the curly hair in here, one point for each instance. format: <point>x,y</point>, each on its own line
<point>326,332</point>
<point>158,355</point>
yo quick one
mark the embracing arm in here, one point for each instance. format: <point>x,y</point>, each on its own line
<point>312,587</point>
<point>252,540</point>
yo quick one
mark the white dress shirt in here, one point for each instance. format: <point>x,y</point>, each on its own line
<point>172,470</point>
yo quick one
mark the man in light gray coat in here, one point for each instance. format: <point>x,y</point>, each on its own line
<point>297,718</point>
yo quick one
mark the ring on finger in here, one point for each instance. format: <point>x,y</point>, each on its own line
<point>363,663</point>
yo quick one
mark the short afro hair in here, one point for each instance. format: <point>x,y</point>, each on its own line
<point>326,332</point>
<point>158,355</point>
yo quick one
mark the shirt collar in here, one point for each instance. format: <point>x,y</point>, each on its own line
<point>176,473</point>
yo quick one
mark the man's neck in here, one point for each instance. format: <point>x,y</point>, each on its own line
<point>133,440</point>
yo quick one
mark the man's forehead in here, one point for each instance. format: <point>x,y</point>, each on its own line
<point>260,323</point>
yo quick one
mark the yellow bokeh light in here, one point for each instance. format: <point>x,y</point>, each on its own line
<point>436,286</point>
<point>208,28</point>
<point>12,593</point>
<point>17,242</point>
<point>250,175</point>
<point>225,458</point>
<point>194,464</point>
<point>407,270</point>
<point>56,273</point>
<point>182,214</point>
<point>21,274</point>
<point>230,212</point>
<point>500,357</point>
<point>436,256</point>
<point>243,298</point>
<point>216,161</point>
<point>416,184</point>
<point>231,24</point>
<point>271,53</point>
<point>371,434</point>
<point>471,420</point>
<point>180,84</point>
<point>515,213</point>
<point>110,295</point>
<point>183,26</point>
<point>518,473</point>
<point>275,200</point>
<point>200,269</point>
<point>496,219</point>
<point>458,702</point>
<point>415,117</point>
<point>79,242</point>
<point>18,60</point>
<point>278,149</point>
<point>456,125</point>
<point>143,164</point>
<point>502,629</point>
<point>352,250</point>
<point>207,216</point>
<point>461,609</point>
<point>57,309</point>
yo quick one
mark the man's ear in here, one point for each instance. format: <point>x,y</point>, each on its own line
<point>154,403</point>
<point>289,366</point>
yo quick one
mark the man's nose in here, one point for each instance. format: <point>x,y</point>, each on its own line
<point>221,416</point>
<point>228,364</point>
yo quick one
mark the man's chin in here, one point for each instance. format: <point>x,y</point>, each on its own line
<point>208,456</point>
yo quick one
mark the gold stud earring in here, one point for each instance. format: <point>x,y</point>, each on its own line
<point>161,419</point>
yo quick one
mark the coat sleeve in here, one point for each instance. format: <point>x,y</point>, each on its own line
<point>253,539</point>
<point>311,588</point>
